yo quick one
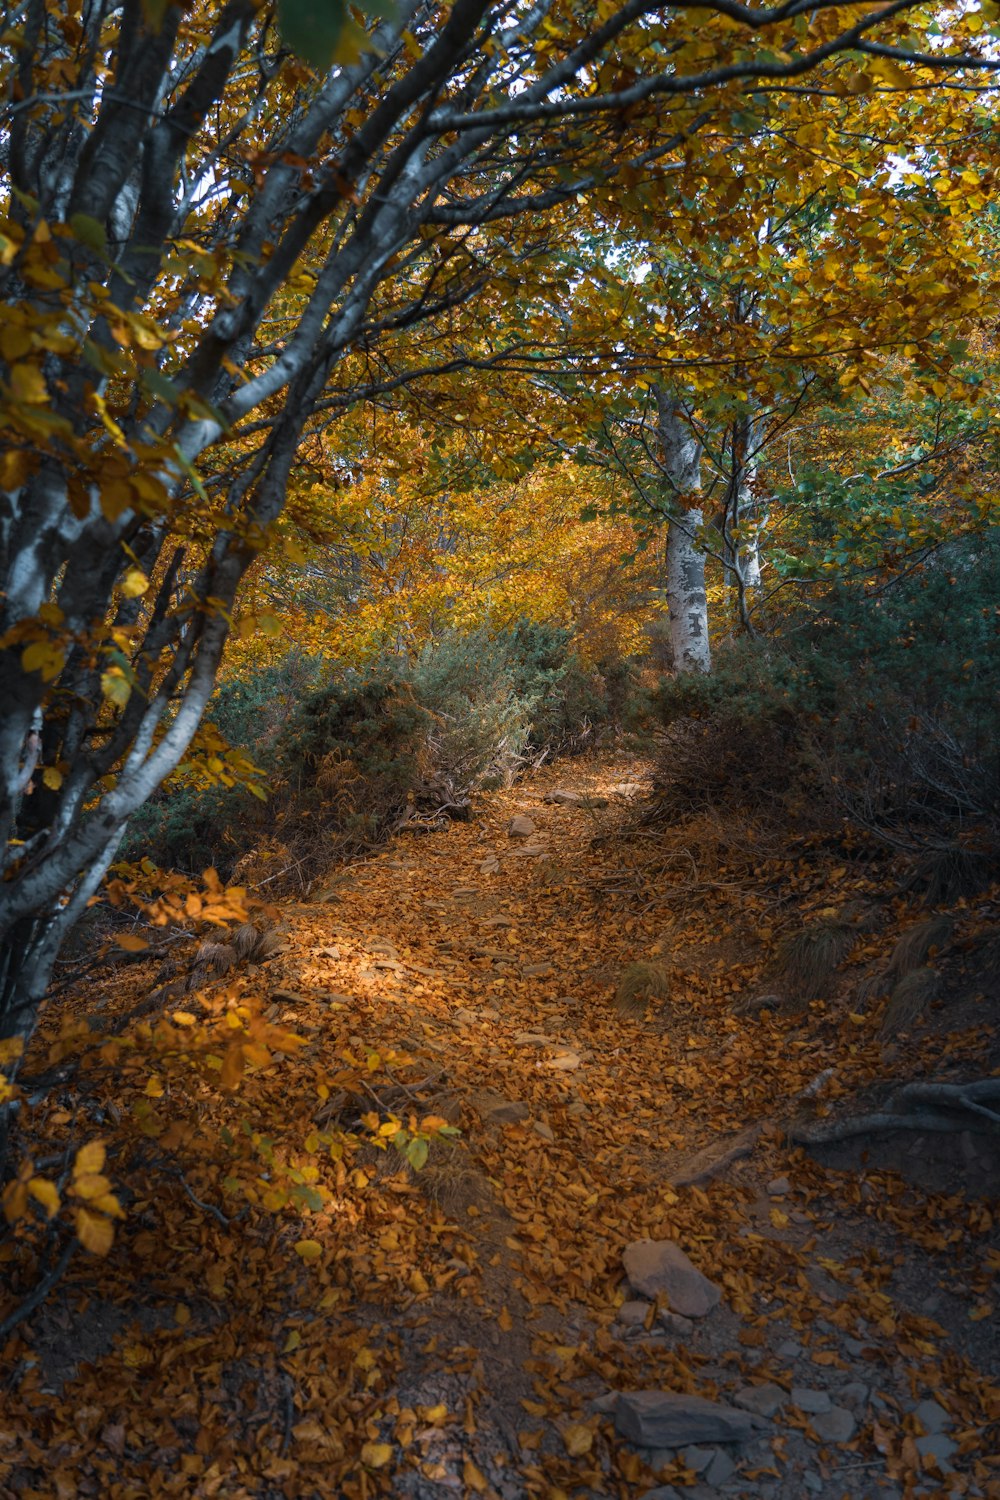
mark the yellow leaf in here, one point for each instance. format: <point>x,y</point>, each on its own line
<point>505,1320</point>
<point>308,1250</point>
<point>28,384</point>
<point>134,583</point>
<point>292,1342</point>
<point>376,1455</point>
<point>46,1193</point>
<point>778,1219</point>
<point>979,1313</point>
<point>474,1478</point>
<point>90,1158</point>
<point>108,1204</point>
<point>45,657</point>
<point>215,1280</point>
<point>95,1232</point>
<point>578,1439</point>
<point>417,1282</point>
<point>115,686</point>
<point>53,779</point>
<point>182,1315</point>
<point>154,1088</point>
<point>184,1018</point>
<point>91,1185</point>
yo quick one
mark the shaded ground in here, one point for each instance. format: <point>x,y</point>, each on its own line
<point>453,1328</point>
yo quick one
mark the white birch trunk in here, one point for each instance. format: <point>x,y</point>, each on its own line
<point>680,453</point>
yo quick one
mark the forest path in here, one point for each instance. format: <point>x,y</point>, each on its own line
<point>449,1331</point>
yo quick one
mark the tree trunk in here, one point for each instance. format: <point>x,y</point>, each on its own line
<point>680,455</point>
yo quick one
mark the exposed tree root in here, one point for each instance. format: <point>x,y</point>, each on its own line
<point>708,1163</point>
<point>915,1106</point>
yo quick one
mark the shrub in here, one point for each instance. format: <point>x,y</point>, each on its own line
<point>347,753</point>
<point>878,707</point>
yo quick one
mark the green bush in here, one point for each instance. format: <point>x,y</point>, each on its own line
<point>347,752</point>
<point>880,705</point>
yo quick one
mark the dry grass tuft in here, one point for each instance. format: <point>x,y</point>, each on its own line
<point>912,996</point>
<point>952,871</point>
<point>639,985</point>
<point>806,961</point>
<point>916,944</point>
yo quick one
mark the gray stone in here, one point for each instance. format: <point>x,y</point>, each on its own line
<point>721,1469</point>
<point>520,827</point>
<point>853,1395</point>
<point>810,1400</point>
<point>666,1419</point>
<point>855,1346</point>
<point>604,1403</point>
<point>932,1417</point>
<point>764,1400</point>
<point>834,1426</point>
<point>813,1482</point>
<point>660,1267</point>
<point>633,1314</point>
<point>698,1458</point>
<point>939,1446</point>
<point>673,1323</point>
<point>789,1349</point>
<point>661,1492</point>
<point>779,1186</point>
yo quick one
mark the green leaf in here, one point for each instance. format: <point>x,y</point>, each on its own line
<point>89,232</point>
<point>416,1153</point>
<point>323,32</point>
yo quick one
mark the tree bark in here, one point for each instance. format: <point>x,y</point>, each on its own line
<point>680,457</point>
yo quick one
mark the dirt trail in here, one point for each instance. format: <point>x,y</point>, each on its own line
<point>460,1330</point>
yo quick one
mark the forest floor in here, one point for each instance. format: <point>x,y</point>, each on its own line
<point>464,1329</point>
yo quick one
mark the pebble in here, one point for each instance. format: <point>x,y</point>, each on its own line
<point>789,1349</point>
<point>520,827</point>
<point>765,1400</point>
<point>779,1186</point>
<point>810,1400</point>
<point>931,1416</point>
<point>937,1445</point>
<point>721,1469</point>
<point>854,1394</point>
<point>633,1314</point>
<point>834,1426</point>
<point>813,1482</point>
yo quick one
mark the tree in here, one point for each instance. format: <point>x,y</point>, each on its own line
<point>206,242</point>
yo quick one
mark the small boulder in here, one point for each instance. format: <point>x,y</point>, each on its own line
<point>660,1268</point>
<point>570,799</point>
<point>667,1419</point>
<point>520,827</point>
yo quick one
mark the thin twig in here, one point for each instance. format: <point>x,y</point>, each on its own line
<point>39,1292</point>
